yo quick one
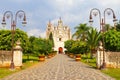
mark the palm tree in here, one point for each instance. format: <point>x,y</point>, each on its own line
<point>92,40</point>
<point>81,32</point>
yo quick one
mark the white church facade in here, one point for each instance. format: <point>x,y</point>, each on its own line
<point>60,34</point>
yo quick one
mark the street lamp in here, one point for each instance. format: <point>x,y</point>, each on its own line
<point>8,14</point>
<point>108,11</point>
<point>95,12</point>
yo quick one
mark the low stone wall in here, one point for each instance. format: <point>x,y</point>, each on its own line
<point>5,58</point>
<point>112,59</point>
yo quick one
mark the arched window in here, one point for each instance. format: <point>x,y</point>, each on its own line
<point>60,39</point>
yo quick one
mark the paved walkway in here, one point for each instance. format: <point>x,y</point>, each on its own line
<point>59,67</point>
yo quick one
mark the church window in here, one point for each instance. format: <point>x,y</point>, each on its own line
<point>60,39</point>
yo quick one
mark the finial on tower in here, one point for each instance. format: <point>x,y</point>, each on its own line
<point>49,24</point>
<point>60,21</point>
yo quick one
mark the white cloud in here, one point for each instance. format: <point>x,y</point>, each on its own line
<point>36,32</point>
<point>35,27</point>
<point>110,2</point>
<point>65,5</point>
<point>43,34</point>
<point>66,18</point>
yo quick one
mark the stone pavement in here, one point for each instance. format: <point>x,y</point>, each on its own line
<point>59,67</point>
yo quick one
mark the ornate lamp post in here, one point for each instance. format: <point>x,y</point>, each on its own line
<point>8,14</point>
<point>95,12</point>
<point>108,11</point>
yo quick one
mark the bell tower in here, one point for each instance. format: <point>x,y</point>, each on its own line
<point>49,29</point>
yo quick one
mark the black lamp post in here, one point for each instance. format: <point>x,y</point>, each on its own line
<point>8,14</point>
<point>95,12</point>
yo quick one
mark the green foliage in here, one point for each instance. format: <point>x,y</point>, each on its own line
<point>88,60</point>
<point>6,39</point>
<point>81,32</point>
<point>23,37</point>
<point>118,26</point>
<point>31,40</point>
<point>112,40</point>
<point>42,46</point>
<point>93,38</point>
<point>79,47</point>
<point>51,39</point>
<point>68,45</point>
<point>107,27</point>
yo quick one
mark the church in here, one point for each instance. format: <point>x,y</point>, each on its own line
<point>61,33</point>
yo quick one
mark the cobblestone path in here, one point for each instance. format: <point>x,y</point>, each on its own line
<point>59,67</point>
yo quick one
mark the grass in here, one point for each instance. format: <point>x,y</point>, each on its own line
<point>88,60</point>
<point>27,62</point>
<point>113,72</point>
<point>5,71</point>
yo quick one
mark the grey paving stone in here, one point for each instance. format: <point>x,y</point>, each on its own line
<point>59,67</point>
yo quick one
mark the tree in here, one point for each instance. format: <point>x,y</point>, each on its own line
<point>68,45</point>
<point>112,40</point>
<point>6,39</point>
<point>30,46</point>
<point>76,47</point>
<point>23,37</point>
<point>81,32</point>
<point>51,38</point>
<point>79,47</point>
<point>92,39</point>
<point>31,40</point>
<point>118,26</point>
<point>42,46</point>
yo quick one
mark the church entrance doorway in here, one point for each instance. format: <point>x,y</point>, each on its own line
<point>60,50</point>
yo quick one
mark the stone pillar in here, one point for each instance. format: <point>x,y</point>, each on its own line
<point>99,55</point>
<point>17,56</point>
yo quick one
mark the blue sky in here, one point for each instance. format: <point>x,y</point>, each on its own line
<point>72,12</point>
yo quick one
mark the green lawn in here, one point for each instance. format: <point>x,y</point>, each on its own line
<point>115,73</point>
<point>33,60</point>
<point>88,60</point>
<point>5,71</point>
